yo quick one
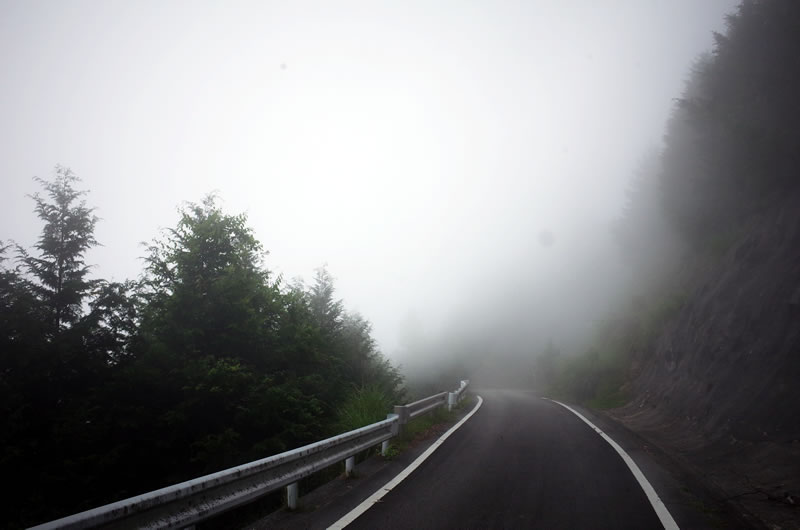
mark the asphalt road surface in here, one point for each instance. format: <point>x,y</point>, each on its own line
<point>519,462</point>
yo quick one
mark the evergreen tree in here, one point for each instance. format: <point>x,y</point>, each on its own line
<point>224,359</point>
<point>326,310</point>
<point>59,271</point>
<point>206,292</point>
<point>50,372</point>
<point>731,142</point>
<point>205,363</point>
<point>112,321</point>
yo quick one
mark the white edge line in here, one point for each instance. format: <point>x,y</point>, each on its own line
<point>353,514</point>
<point>661,510</point>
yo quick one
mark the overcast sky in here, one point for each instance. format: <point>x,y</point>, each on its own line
<point>417,148</point>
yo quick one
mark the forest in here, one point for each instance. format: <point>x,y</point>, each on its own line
<point>207,360</point>
<point>729,154</point>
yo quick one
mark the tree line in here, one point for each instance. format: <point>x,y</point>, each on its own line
<point>731,143</point>
<point>730,151</point>
<point>208,360</point>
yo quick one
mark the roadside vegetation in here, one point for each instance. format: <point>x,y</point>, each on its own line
<point>424,426</point>
<point>207,360</point>
<point>363,406</point>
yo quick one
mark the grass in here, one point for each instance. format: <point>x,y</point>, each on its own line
<point>363,406</point>
<point>418,426</point>
<point>370,404</point>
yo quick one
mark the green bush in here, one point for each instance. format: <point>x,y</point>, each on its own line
<point>361,407</point>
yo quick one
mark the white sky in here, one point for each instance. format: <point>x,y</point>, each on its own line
<point>417,148</point>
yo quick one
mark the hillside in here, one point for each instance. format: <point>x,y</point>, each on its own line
<point>702,359</point>
<point>718,387</point>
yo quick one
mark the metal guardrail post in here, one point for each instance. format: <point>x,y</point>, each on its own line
<point>396,425</point>
<point>403,414</point>
<point>349,464</point>
<point>291,496</point>
<point>395,432</point>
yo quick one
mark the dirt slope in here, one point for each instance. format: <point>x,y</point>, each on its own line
<point>720,388</point>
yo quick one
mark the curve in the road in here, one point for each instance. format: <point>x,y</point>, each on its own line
<point>521,462</point>
<point>661,510</point>
<point>389,486</point>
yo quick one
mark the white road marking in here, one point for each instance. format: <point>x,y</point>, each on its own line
<point>376,497</point>
<point>661,510</point>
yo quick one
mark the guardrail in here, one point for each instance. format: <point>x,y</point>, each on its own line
<point>454,397</point>
<point>423,406</point>
<point>196,500</point>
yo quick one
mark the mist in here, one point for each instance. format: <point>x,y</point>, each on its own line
<point>459,168</point>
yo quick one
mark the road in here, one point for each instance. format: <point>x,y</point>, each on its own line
<point>519,462</point>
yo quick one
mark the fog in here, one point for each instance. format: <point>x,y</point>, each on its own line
<point>457,165</point>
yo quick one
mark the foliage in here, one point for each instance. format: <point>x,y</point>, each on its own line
<point>419,426</point>
<point>112,319</point>
<point>593,378</point>
<point>110,389</point>
<point>206,293</point>
<point>59,272</point>
<point>599,376</point>
<point>326,310</point>
<point>364,362</point>
<point>729,146</point>
<point>363,406</point>
<point>733,135</point>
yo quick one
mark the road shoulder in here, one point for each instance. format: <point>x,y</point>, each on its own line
<point>692,503</point>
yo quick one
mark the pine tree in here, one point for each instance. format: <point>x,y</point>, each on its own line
<point>326,310</point>
<point>59,272</point>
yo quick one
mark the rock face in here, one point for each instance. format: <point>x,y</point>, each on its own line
<point>720,387</point>
<point>730,360</point>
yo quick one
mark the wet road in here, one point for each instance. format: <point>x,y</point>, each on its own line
<point>519,462</point>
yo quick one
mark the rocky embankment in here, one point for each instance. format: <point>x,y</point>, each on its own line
<point>720,387</point>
